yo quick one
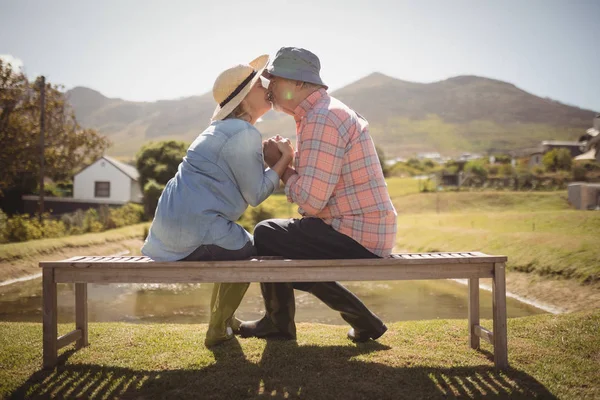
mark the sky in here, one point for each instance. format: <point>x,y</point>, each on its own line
<point>155,50</point>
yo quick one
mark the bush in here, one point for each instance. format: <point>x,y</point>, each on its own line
<point>53,228</point>
<point>538,170</point>
<point>477,168</point>
<point>254,215</point>
<point>128,214</point>
<point>558,160</point>
<point>152,192</point>
<point>506,170</point>
<point>21,228</point>
<point>74,222</point>
<point>91,221</point>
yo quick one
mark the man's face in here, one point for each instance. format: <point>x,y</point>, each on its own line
<point>281,92</point>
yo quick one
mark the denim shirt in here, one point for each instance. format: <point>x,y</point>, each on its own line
<point>221,174</point>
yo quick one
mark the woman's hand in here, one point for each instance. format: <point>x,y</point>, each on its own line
<point>271,152</point>
<point>286,149</point>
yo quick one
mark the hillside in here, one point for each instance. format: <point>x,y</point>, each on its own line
<point>464,113</point>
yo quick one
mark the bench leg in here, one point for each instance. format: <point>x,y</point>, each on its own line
<point>499,310</point>
<point>473,312</point>
<point>81,314</point>
<point>50,328</point>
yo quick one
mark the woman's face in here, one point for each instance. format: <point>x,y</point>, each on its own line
<point>256,100</point>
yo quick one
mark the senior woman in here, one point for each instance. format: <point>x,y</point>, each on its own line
<point>222,173</point>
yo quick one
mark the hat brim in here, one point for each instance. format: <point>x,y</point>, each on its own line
<point>295,75</point>
<point>258,64</point>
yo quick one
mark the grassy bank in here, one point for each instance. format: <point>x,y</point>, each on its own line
<point>35,248</point>
<point>549,355</point>
<point>537,231</point>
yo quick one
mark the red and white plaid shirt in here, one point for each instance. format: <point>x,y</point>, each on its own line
<point>339,176</point>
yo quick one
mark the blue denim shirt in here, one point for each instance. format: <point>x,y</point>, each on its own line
<point>221,174</point>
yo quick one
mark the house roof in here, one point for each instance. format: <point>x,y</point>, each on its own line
<point>127,169</point>
<point>589,155</point>
<point>560,143</point>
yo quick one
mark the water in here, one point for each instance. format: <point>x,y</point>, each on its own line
<point>189,303</point>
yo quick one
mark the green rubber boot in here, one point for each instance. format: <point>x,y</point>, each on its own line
<point>226,298</point>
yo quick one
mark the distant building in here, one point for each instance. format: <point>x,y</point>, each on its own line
<point>108,180</point>
<point>469,157</point>
<point>591,142</point>
<point>104,182</point>
<point>430,156</point>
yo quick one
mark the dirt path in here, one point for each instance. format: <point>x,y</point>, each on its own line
<point>563,295</point>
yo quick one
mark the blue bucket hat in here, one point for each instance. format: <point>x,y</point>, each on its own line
<point>297,64</point>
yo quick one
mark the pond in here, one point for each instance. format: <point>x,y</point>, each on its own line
<point>189,303</point>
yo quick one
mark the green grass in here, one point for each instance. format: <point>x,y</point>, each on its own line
<point>34,248</point>
<point>479,201</point>
<point>549,356</point>
<point>537,231</point>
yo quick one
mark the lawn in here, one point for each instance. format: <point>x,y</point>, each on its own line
<point>35,248</point>
<point>550,356</point>
<point>538,232</point>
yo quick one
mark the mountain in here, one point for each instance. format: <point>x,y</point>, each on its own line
<point>460,114</point>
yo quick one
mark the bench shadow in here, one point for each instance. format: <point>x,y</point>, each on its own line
<point>285,371</point>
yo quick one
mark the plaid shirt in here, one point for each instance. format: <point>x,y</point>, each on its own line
<point>339,176</point>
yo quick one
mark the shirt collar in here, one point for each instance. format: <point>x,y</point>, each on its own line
<point>307,104</point>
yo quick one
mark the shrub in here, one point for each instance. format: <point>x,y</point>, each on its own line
<point>477,168</point>
<point>74,222</point>
<point>91,221</point>
<point>128,214</point>
<point>254,215</point>
<point>558,160</point>
<point>506,170</point>
<point>22,228</point>
<point>152,192</point>
<point>538,170</point>
<point>53,228</point>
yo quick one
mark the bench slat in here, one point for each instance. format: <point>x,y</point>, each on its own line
<point>185,272</point>
<point>365,263</point>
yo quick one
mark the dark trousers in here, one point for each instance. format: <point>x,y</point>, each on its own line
<point>311,239</point>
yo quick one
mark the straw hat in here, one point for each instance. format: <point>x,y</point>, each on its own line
<point>232,86</point>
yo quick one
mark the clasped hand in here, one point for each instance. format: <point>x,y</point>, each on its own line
<point>275,148</point>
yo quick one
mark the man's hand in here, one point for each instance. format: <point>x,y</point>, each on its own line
<point>271,151</point>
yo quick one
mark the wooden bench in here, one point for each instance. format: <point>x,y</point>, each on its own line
<point>413,266</point>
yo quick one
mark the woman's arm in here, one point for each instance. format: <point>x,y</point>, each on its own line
<point>243,153</point>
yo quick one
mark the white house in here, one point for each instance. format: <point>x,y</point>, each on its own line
<point>107,181</point>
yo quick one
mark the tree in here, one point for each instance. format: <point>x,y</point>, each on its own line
<point>157,162</point>
<point>558,159</point>
<point>67,146</point>
<point>381,156</point>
